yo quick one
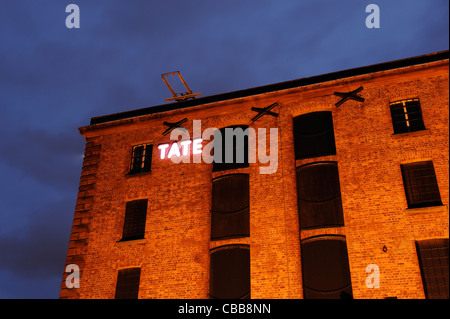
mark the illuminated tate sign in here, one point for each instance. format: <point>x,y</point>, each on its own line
<point>181,148</point>
<point>226,148</point>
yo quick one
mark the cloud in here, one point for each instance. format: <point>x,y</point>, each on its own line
<point>34,255</point>
<point>53,79</point>
<point>54,160</point>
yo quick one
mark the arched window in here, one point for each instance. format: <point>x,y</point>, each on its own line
<point>230,272</point>
<point>230,206</point>
<point>325,268</point>
<point>319,195</point>
<point>234,156</point>
<point>314,135</point>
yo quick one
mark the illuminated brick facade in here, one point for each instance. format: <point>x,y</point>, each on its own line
<point>378,227</point>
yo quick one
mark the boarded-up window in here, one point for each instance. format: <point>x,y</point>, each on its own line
<point>234,154</point>
<point>319,195</point>
<point>407,116</point>
<point>141,158</point>
<point>134,222</point>
<point>420,183</point>
<point>230,206</point>
<point>230,272</point>
<point>314,135</point>
<point>433,259</point>
<point>325,267</point>
<point>127,286</point>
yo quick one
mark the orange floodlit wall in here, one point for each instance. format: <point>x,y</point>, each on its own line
<point>379,226</point>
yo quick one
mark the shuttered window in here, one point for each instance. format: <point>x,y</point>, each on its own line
<point>420,184</point>
<point>319,195</point>
<point>407,116</point>
<point>127,286</point>
<point>141,158</point>
<point>230,206</point>
<point>134,222</point>
<point>314,135</point>
<point>433,259</point>
<point>230,272</point>
<point>325,267</point>
<point>235,156</point>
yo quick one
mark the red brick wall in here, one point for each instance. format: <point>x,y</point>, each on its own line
<point>79,236</point>
<point>174,256</point>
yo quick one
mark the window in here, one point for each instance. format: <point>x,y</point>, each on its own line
<point>230,206</point>
<point>420,184</point>
<point>141,158</point>
<point>325,267</point>
<point>407,116</point>
<point>433,260</point>
<point>230,148</point>
<point>319,195</point>
<point>230,272</point>
<point>134,222</point>
<point>314,135</point>
<point>127,286</point>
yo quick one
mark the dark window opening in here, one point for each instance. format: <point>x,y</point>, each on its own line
<point>421,188</point>
<point>230,272</point>
<point>407,116</point>
<point>319,195</point>
<point>127,286</point>
<point>325,267</point>
<point>230,206</point>
<point>433,260</point>
<point>314,135</point>
<point>234,155</point>
<point>141,158</point>
<point>134,222</point>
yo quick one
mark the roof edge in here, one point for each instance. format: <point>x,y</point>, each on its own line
<point>422,59</point>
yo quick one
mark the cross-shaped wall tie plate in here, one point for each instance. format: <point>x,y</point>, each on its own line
<point>352,95</point>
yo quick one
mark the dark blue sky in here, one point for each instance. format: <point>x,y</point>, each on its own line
<point>54,79</point>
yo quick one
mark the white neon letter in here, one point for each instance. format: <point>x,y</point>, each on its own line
<point>163,147</point>
<point>185,147</point>
<point>174,150</point>
<point>197,146</point>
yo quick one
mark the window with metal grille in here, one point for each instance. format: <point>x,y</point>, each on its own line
<point>407,116</point>
<point>433,260</point>
<point>141,158</point>
<point>420,184</point>
<point>325,268</point>
<point>230,206</point>
<point>314,135</point>
<point>319,195</point>
<point>134,222</point>
<point>230,272</point>
<point>127,286</point>
<point>232,154</point>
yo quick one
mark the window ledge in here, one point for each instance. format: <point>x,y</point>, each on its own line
<point>410,134</point>
<point>131,242</point>
<point>137,174</point>
<point>427,210</point>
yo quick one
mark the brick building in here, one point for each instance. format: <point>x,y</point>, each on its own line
<point>357,206</point>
